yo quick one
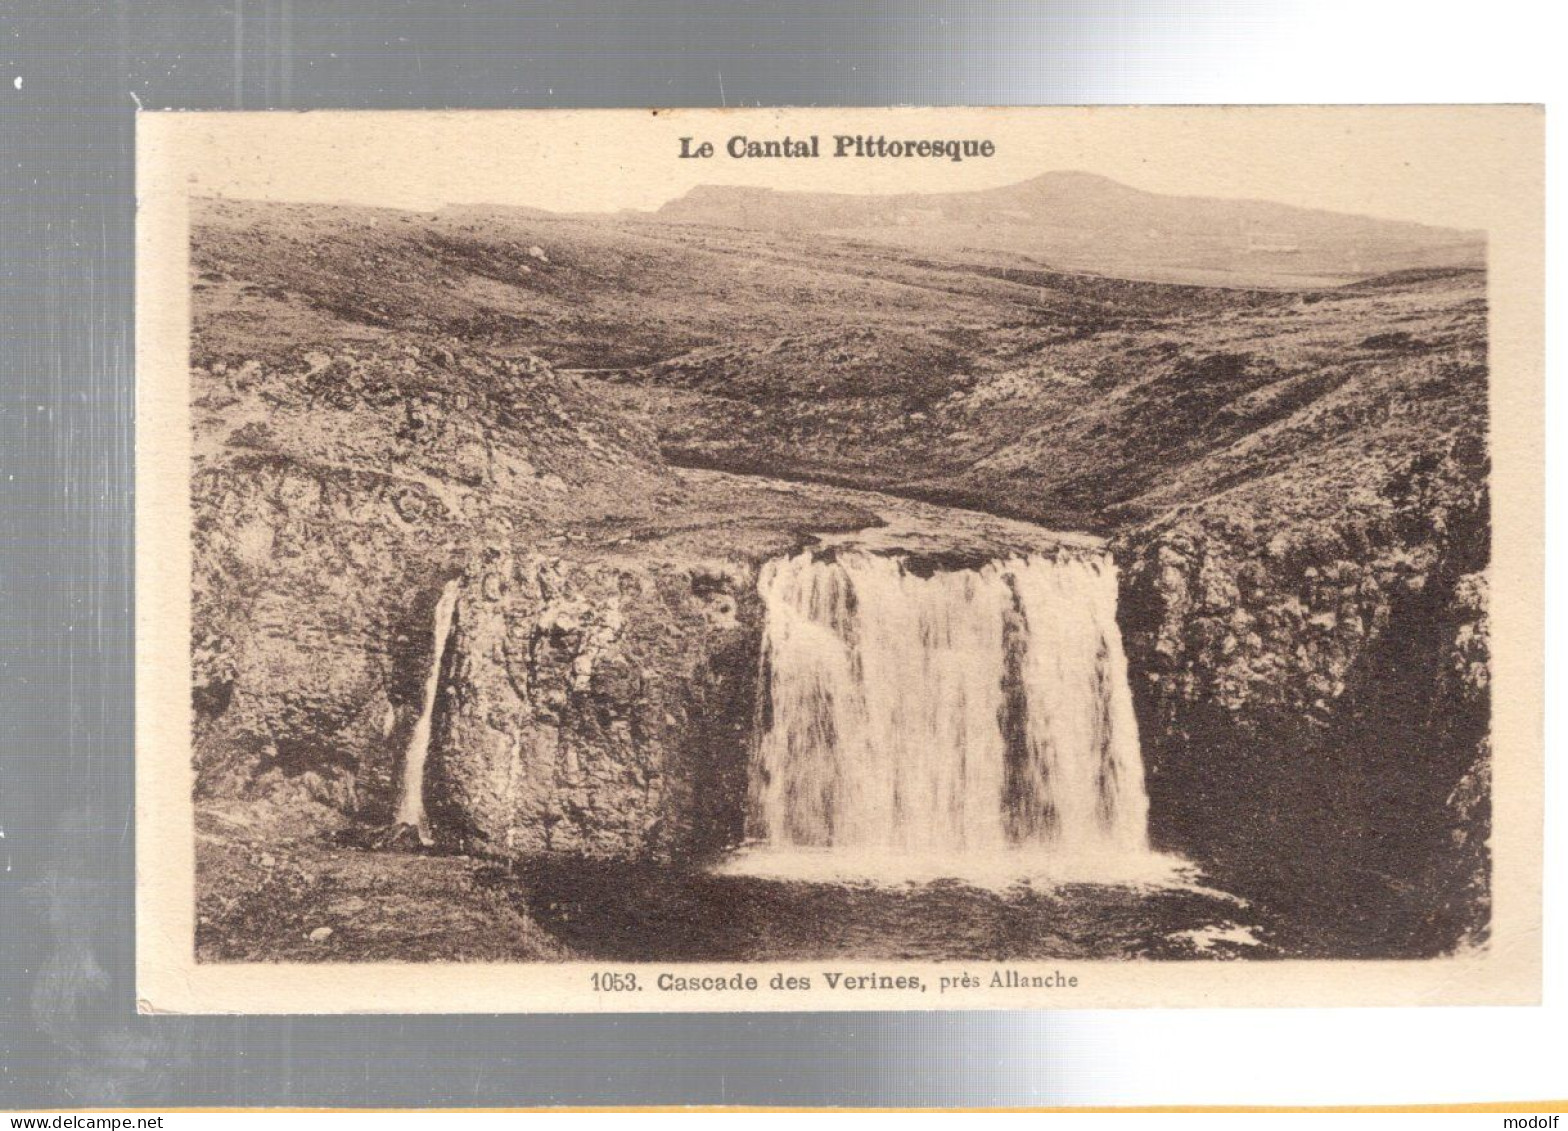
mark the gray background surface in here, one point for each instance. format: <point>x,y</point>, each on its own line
<point>70,79</point>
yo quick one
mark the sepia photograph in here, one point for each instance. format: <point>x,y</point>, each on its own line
<point>832,557</point>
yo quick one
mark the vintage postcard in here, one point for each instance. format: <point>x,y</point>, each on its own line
<point>839,559</point>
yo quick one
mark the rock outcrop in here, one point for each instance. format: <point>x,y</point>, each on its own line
<point>601,707</point>
<point>335,493</point>
<point>1324,684</point>
<point>598,682</point>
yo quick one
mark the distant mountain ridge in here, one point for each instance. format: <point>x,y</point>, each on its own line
<point>1083,221</point>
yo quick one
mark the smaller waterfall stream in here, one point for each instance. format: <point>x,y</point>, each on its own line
<point>411,801</point>
<point>969,723</point>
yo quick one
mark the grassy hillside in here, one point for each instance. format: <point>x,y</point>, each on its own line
<point>1105,422</point>
<point>1066,398</point>
<point>603,293</point>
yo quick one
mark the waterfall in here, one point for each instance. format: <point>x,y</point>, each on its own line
<point>973,723</point>
<point>411,802</point>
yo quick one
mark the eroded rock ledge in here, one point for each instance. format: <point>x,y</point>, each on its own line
<point>607,704</point>
<point>1324,683</point>
<point>602,706</point>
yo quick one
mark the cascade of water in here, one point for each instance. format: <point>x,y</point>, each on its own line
<point>411,801</point>
<point>961,723</point>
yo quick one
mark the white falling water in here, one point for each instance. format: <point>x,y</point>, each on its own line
<point>971,723</point>
<point>411,802</point>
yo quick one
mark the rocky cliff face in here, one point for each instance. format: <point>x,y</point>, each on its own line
<point>1324,685</point>
<point>597,687</point>
<point>601,707</point>
<point>335,494</point>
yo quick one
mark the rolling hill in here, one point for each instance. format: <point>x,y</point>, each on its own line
<point>1084,222</point>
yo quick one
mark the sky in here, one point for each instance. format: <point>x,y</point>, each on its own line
<point>1433,165</point>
